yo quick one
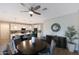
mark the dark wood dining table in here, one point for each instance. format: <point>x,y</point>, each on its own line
<point>27,48</point>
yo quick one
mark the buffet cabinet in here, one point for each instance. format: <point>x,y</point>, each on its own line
<point>61,42</point>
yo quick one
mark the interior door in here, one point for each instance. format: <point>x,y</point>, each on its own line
<point>4,33</point>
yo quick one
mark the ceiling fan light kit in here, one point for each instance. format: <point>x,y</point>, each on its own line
<point>31,13</point>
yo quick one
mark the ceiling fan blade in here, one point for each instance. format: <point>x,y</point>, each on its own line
<point>36,12</point>
<point>33,10</point>
<point>37,7</point>
<point>22,4</point>
<point>24,11</point>
<point>44,9</point>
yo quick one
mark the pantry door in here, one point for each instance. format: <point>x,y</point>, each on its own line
<point>4,33</point>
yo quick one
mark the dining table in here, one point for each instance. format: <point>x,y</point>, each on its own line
<point>28,48</point>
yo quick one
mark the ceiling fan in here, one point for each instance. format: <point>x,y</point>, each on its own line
<point>33,9</point>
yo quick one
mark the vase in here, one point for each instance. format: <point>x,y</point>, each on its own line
<point>71,47</point>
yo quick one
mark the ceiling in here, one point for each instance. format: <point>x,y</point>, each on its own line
<point>11,11</point>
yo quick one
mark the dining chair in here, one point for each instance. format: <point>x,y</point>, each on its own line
<point>13,44</point>
<point>16,39</point>
<point>49,50</point>
<point>4,50</point>
<point>52,47</point>
<point>12,47</point>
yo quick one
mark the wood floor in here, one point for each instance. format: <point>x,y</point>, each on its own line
<point>62,51</point>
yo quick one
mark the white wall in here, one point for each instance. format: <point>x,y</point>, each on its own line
<point>64,21</point>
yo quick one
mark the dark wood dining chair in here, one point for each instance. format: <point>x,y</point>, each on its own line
<point>17,39</point>
<point>50,49</point>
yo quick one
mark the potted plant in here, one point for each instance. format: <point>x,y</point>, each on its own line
<point>70,34</point>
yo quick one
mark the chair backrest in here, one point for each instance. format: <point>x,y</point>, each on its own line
<point>52,46</point>
<point>48,39</point>
<point>16,39</point>
<point>53,43</point>
<point>12,47</point>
